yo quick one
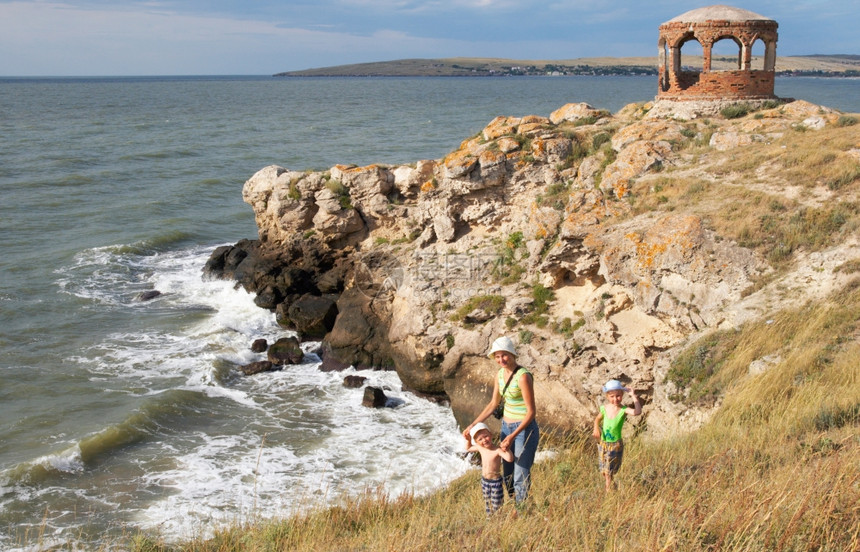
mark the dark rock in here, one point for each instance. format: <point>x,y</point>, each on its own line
<point>223,261</point>
<point>313,316</point>
<point>394,402</point>
<point>270,274</point>
<point>268,298</point>
<point>354,382</point>
<point>436,398</point>
<point>358,337</point>
<point>330,362</point>
<point>286,350</point>
<point>147,295</point>
<point>374,397</point>
<point>259,345</point>
<point>259,366</point>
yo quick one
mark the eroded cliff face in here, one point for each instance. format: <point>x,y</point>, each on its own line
<point>528,230</point>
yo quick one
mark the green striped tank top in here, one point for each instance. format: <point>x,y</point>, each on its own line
<point>515,405</point>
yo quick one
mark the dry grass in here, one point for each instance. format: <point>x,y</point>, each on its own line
<point>799,192</point>
<point>777,469</point>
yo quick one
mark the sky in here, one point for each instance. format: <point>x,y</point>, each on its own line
<point>263,37</point>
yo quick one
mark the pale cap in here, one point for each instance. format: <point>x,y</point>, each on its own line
<point>475,429</point>
<point>613,385</point>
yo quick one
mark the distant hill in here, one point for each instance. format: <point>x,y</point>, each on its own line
<point>819,65</point>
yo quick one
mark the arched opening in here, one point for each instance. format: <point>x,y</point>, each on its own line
<point>759,60</point>
<point>690,55</point>
<point>688,67</point>
<point>727,54</point>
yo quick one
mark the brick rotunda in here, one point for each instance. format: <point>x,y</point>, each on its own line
<point>708,26</point>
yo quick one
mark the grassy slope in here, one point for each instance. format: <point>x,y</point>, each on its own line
<point>776,468</point>
<point>463,66</point>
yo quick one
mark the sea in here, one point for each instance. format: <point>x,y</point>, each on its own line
<point>122,416</point>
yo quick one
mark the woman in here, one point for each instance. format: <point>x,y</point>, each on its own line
<point>520,432</point>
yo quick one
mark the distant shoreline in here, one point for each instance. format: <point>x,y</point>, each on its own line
<point>798,66</point>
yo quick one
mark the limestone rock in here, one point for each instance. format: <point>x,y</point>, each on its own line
<point>723,141</point>
<point>500,126</point>
<point>574,112</point>
<point>659,130</point>
<point>633,161</point>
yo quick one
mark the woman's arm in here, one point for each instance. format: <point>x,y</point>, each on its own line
<point>485,413</point>
<point>527,389</point>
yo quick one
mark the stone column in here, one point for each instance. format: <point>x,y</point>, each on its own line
<point>770,56</point>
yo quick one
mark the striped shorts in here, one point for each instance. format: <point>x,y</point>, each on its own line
<point>494,494</point>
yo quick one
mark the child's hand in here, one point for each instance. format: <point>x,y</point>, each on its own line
<point>595,433</point>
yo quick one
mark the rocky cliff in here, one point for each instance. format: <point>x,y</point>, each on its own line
<point>602,243</point>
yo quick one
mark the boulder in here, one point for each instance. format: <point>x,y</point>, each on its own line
<point>259,366</point>
<point>632,162</point>
<point>358,336</point>
<point>148,295</point>
<point>286,350</point>
<point>259,345</point>
<point>354,382</point>
<point>313,316</point>
<point>500,126</point>
<point>574,112</point>
<point>374,397</point>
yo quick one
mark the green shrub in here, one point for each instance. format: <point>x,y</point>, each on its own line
<point>736,111</point>
<point>491,304</point>
<point>541,296</point>
<point>599,140</point>
<point>507,267</point>
<point>846,120</point>
<point>835,417</point>
<point>694,368</point>
<point>294,192</point>
<point>341,191</point>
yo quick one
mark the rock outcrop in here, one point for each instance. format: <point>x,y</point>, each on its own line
<point>526,230</point>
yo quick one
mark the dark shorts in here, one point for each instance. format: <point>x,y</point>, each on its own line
<point>609,456</point>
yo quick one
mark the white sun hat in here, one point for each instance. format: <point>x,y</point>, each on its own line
<point>475,429</point>
<point>503,343</point>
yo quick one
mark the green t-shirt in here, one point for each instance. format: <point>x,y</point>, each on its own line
<point>612,427</point>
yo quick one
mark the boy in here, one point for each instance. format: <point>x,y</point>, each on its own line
<point>607,428</point>
<point>491,465</point>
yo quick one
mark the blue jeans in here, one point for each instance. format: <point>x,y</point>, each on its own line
<point>517,474</point>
